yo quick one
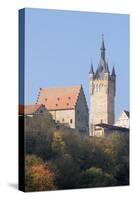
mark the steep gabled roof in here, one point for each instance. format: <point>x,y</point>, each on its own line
<point>58,98</point>
<point>29,109</point>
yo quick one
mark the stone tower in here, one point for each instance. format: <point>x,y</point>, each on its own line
<point>102,93</point>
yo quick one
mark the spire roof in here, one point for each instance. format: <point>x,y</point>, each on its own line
<point>113,71</point>
<point>101,69</point>
<point>91,69</point>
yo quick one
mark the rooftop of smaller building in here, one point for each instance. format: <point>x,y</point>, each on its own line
<point>29,109</point>
<point>112,127</point>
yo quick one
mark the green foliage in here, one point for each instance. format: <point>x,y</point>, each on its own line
<point>38,135</point>
<point>31,160</point>
<point>73,161</point>
<point>95,177</point>
<point>58,145</point>
<point>120,150</point>
<point>67,172</point>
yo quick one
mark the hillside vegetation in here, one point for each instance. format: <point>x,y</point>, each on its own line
<point>59,158</point>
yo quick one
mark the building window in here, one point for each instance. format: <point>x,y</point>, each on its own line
<point>63,120</point>
<point>56,104</point>
<point>71,121</point>
<point>46,99</point>
<point>67,104</point>
<point>101,121</point>
<point>58,98</point>
<point>69,98</point>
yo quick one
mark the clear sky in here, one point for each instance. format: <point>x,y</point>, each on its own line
<point>61,44</point>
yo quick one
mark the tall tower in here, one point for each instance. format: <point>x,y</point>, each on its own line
<point>102,93</point>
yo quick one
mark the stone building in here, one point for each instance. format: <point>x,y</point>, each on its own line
<point>102,94</point>
<point>123,120</point>
<point>30,110</point>
<point>67,105</point>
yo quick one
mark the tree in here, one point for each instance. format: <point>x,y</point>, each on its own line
<point>38,177</point>
<point>120,149</point>
<point>95,177</point>
<point>38,135</point>
<point>66,171</point>
<point>58,145</point>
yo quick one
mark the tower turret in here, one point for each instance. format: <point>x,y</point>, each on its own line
<point>113,72</point>
<point>91,69</point>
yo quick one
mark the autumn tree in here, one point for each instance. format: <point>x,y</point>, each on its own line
<point>38,176</point>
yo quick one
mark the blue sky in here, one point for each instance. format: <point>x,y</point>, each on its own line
<point>61,44</point>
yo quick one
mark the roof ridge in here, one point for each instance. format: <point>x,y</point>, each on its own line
<point>61,87</point>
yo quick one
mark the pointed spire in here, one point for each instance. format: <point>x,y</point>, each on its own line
<point>91,69</point>
<point>102,48</point>
<point>113,71</point>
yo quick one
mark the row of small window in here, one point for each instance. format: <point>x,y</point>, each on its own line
<point>57,104</point>
<point>71,121</point>
<point>58,98</point>
<point>97,87</point>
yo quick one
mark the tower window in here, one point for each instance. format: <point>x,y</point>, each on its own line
<point>67,104</point>
<point>63,120</point>
<point>97,88</point>
<point>58,98</point>
<point>71,121</point>
<point>56,104</point>
<point>46,99</point>
<point>69,98</point>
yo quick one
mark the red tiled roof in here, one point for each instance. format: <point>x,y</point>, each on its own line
<point>28,109</point>
<point>58,98</point>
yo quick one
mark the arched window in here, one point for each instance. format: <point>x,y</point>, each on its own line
<point>100,86</point>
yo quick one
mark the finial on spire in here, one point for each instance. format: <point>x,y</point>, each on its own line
<point>102,49</point>
<point>102,46</point>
